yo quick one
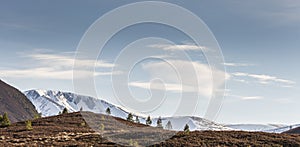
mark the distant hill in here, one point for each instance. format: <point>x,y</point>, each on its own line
<point>293,131</point>
<point>15,103</point>
<point>71,130</point>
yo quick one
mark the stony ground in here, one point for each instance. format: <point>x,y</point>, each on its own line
<point>72,130</point>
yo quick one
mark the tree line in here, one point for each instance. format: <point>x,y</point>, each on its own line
<point>148,122</point>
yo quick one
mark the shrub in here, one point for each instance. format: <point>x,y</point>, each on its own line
<point>102,118</point>
<point>82,124</point>
<point>36,116</point>
<point>133,143</point>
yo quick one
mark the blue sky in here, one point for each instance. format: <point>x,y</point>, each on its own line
<point>259,41</point>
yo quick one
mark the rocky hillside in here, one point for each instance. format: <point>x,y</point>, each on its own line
<point>15,103</point>
<point>72,130</point>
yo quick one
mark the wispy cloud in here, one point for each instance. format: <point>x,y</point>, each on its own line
<point>264,79</point>
<point>246,97</point>
<point>174,47</point>
<point>183,76</point>
<point>237,64</point>
<point>64,60</point>
<point>252,97</point>
<point>46,64</point>
<point>167,86</point>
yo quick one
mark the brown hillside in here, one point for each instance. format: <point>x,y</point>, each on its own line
<point>71,130</point>
<point>15,103</point>
<point>293,131</point>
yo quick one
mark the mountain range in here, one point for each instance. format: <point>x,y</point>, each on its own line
<point>50,103</point>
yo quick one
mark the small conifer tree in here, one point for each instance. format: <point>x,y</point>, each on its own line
<point>65,110</point>
<point>5,120</point>
<point>159,123</point>
<point>186,128</point>
<point>107,111</point>
<point>148,121</point>
<point>130,117</point>
<point>137,119</point>
<point>169,125</point>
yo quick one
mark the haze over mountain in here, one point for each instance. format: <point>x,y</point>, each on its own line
<point>15,103</point>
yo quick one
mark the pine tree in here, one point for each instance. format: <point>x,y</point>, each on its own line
<point>130,117</point>
<point>101,127</point>
<point>159,123</point>
<point>108,111</point>
<point>148,121</point>
<point>65,111</point>
<point>5,120</point>
<point>186,128</point>
<point>81,109</point>
<point>137,119</point>
<point>28,125</point>
<point>169,126</point>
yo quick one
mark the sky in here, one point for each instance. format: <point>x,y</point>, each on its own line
<point>259,41</point>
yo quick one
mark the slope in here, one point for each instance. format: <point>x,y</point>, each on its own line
<point>15,103</point>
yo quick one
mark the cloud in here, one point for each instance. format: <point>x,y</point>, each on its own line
<point>264,79</point>
<point>182,76</point>
<point>246,97</point>
<point>184,47</point>
<point>65,60</point>
<point>167,86</point>
<point>46,64</point>
<point>252,97</point>
<point>280,13</point>
<point>237,64</point>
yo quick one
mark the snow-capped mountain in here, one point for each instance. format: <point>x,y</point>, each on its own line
<point>253,127</point>
<point>50,103</point>
<point>195,123</point>
<point>270,128</point>
<point>283,128</point>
